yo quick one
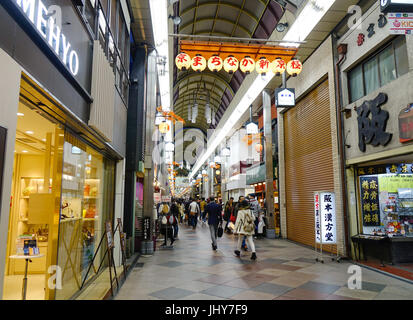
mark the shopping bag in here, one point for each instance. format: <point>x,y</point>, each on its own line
<point>231,226</point>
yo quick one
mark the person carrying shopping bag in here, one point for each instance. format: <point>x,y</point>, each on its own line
<point>245,226</point>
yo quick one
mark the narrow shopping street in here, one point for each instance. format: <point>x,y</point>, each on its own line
<point>283,271</point>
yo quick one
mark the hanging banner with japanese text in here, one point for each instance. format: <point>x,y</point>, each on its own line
<point>317,216</point>
<point>369,196</point>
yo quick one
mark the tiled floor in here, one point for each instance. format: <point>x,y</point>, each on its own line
<point>283,271</point>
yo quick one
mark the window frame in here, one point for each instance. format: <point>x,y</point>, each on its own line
<point>375,56</point>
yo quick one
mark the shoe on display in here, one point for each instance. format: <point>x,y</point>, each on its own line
<point>237,253</point>
<point>253,256</point>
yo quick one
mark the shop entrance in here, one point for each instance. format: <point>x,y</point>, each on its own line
<point>385,215</point>
<point>35,193</point>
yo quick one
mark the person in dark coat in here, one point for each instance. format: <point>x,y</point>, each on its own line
<point>176,214</point>
<point>229,208</point>
<point>214,213</point>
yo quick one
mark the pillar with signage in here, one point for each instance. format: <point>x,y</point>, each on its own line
<point>269,168</point>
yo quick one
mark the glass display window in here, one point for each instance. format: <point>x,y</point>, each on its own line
<point>386,200</point>
<point>87,203</point>
<point>35,189</point>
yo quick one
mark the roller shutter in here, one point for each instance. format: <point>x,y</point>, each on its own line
<point>308,162</point>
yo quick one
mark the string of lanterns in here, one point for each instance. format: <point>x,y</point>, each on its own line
<point>231,64</point>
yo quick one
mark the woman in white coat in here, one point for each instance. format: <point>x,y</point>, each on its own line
<point>245,226</point>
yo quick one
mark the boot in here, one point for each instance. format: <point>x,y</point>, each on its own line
<point>253,256</point>
<point>237,253</point>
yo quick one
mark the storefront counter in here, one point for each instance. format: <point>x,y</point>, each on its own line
<point>384,248</point>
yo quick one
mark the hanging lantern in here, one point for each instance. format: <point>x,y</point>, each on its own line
<point>247,65</point>
<point>217,159</point>
<point>231,64</point>
<point>217,172</point>
<point>164,127</point>
<point>183,61</point>
<point>263,66</point>
<point>294,67</point>
<point>212,164</point>
<point>278,66</point>
<point>215,63</point>
<point>198,63</point>
<point>258,147</point>
<point>204,172</point>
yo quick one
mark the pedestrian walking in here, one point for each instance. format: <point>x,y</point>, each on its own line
<point>244,226</point>
<point>194,211</point>
<point>229,209</point>
<point>175,213</point>
<point>167,222</point>
<point>214,213</point>
<point>236,209</point>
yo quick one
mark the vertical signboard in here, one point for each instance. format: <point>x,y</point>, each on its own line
<point>317,217</point>
<point>325,217</point>
<point>370,201</point>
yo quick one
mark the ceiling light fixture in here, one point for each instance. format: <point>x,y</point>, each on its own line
<point>29,132</point>
<point>20,114</point>
<point>281,27</point>
<point>176,19</point>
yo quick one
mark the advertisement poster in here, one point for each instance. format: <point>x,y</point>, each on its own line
<point>370,201</point>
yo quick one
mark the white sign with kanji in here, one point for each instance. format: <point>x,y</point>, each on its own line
<point>325,217</point>
<point>328,217</point>
<point>317,216</point>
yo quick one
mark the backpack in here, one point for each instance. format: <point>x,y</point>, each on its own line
<point>249,225</point>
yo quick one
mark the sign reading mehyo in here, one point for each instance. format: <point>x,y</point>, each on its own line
<point>48,26</point>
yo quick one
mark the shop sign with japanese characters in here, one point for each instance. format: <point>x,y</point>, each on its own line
<point>372,122</point>
<point>370,205</point>
<point>325,217</point>
<point>400,23</point>
<point>403,168</point>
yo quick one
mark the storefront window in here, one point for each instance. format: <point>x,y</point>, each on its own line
<point>386,200</point>
<point>87,203</point>
<point>35,191</point>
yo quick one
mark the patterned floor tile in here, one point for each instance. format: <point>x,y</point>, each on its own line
<point>253,295</point>
<point>217,279</point>
<point>304,294</point>
<point>222,291</point>
<point>171,293</point>
<point>370,286</point>
<point>271,288</point>
<point>171,264</point>
<point>359,294</point>
<point>320,287</point>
